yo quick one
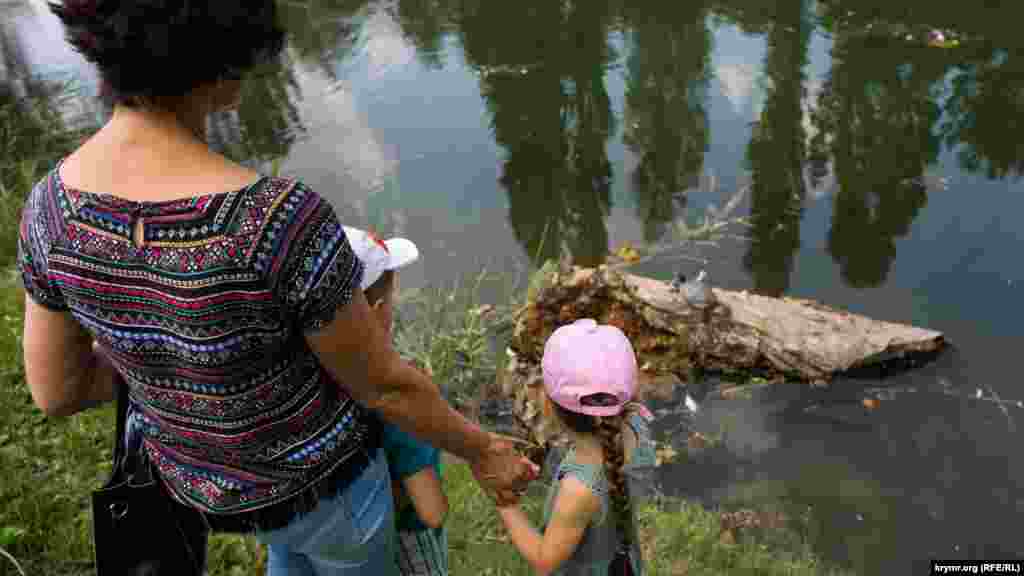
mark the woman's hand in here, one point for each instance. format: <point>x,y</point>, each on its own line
<point>503,472</point>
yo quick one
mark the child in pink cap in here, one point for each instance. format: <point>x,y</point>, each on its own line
<point>590,377</point>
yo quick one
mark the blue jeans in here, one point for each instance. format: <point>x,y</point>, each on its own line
<point>351,533</point>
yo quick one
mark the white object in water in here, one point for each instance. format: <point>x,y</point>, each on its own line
<point>978,393</point>
<point>691,404</point>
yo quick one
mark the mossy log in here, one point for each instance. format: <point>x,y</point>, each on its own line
<point>742,333</point>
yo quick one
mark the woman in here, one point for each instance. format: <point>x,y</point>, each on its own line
<point>228,301</point>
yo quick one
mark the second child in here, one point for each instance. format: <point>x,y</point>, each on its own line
<point>415,466</point>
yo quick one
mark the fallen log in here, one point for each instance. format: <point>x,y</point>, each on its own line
<point>772,338</point>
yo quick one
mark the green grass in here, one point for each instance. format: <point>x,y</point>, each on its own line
<point>476,540</point>
<point>32,138</point>
<point>47,466</point>
<point>446,329</point>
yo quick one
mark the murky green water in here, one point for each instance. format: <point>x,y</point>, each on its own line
<point>882,174</point>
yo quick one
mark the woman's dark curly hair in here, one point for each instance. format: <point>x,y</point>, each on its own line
<point>147,50</point>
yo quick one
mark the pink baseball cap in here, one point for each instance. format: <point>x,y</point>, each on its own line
<point>585,359</point>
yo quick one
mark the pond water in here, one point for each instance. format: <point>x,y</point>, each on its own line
<point>882,167</point>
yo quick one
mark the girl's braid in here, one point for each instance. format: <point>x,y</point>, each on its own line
<point>609,431</point>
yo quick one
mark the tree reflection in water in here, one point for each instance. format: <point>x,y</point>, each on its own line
<point>985,96</point>
<point>323,32</point>
<point>875,119</point>
<point>666,95</point>
<point>777,151</point>
<point>542,78</point>
<point>985,110</point>
<point>424,24</point>
<point>890,98</point>
<point>266,122</point>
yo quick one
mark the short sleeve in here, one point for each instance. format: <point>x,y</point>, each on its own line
<point>321,271</point>
<point>406,455</point>
<point>33,254</point>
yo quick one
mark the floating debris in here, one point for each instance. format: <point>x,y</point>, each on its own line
<point>697,441</point>
<point>665,454</point>
<point>627,252</point>
<point>936,39</point>
<point>691,404</point>
<point>485,71</point>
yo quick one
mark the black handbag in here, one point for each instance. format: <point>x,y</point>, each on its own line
<point>621,565</point>
<point>138,527</point>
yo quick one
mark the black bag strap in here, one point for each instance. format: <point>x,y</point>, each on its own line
<point>121,418</point>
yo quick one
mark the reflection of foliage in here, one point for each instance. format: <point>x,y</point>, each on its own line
<point>995,21</point>
<point>509,34</point>
<point>987,86</point>
<point>425,23</point>
<point>266,123</point>
<point>875,119</point>
<point>322,31</point>
<point>665,98</point>
<point>750,16</point>
<point>551,112</point>
<point>987,98</point>
<point>590,124</point>
<point>776,153</point>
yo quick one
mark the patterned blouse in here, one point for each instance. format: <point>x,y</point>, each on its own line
<point>205,320</point>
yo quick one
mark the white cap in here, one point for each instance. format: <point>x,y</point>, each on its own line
<point>379,256</point>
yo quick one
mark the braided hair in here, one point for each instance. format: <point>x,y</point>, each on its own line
<point>608,430</point>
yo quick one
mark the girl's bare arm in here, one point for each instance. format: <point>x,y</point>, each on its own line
<point>575,506</point>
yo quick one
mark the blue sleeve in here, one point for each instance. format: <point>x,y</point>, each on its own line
<point>407,455</point>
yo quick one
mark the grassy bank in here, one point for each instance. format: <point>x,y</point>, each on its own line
<point>49,466</point>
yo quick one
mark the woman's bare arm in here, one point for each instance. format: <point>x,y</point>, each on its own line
<point>355,350</point>
<point>358,353</point>
<point>64,371</point>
